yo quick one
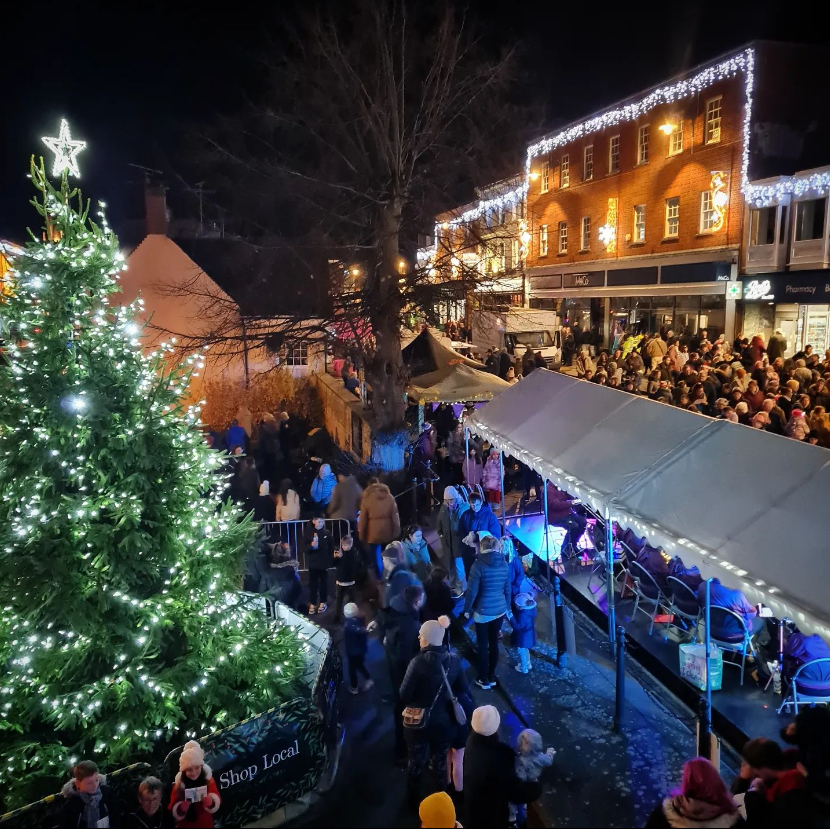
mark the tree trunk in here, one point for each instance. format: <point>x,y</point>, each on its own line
<point>385,370</point>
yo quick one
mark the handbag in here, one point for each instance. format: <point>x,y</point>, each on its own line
<point>460,713</point>
<point>417,719</point>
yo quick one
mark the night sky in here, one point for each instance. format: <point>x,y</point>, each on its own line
<point>133,80</point>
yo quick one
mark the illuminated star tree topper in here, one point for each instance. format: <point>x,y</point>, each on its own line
<point>66,151</point>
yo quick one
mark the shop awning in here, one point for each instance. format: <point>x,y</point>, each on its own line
<point>440,375</point>
<point>741,504</point>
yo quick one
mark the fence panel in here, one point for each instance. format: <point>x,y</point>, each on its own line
<point>292,532</point>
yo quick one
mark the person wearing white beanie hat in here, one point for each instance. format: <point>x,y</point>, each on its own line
<point>431,633</point>
<point>490,780</point>
<point>194,774</point>
<point>486,720</point>
<point>434,681</point>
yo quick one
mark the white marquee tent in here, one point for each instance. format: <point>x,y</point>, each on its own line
<point>744,505</point>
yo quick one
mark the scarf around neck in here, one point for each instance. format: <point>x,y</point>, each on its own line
<point>92,811</point>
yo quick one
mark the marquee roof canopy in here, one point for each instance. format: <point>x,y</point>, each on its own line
<point>741,504</point>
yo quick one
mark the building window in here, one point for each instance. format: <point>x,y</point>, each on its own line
<point>639,223</point>
<point>565,171</point>
<point>809,219</point>
<point>503,216</point>
<point>713,118</point>
<point>642,144</point>
<point>614,154</point>
<point>585,239</point>
<point>762,226</point>
<point>563,237</point>
<point>676,139</point>
<point>296,355</point>
<point>543,240</point>
<point>514,254</point>
<point>502,258</point>
<point>589,163</point>
<point>545,177</point>
<point>672,217</point>
<point>708,216</point>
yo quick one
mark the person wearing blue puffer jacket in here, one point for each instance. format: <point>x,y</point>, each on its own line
<point>488,601</point>
<point>323,486</point>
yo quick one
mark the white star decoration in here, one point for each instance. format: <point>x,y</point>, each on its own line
<point>66,151</point>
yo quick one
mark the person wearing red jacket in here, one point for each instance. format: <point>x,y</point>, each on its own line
<point>195,796</point>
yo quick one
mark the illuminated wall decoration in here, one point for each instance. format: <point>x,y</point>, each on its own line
<point>608,231</point>
<point>719,186</point>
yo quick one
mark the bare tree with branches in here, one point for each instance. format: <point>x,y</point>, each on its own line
<point>376,118</point>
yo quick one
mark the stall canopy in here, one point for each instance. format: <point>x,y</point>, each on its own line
<point>742,504</point>
<point>439,374</point>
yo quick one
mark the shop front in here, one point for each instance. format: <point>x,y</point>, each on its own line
<point>685,298</point>
<point>797,304</point>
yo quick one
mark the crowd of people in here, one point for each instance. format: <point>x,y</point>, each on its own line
<point>747,381</point>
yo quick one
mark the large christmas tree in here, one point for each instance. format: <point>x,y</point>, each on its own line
<point>122,631</point>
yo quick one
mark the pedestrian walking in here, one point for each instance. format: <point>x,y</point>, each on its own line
<point>447,525</point>
<point>490,780</point>
<point>531,760</point>
<point>379,521</point>
<point>488,602</point>
<point>523,637</point>
<point>425,689</point>
<point>345,574</point>
<point>356,640</point>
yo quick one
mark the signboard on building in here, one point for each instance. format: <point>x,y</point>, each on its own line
<point>583,280</point>
<point>802,287</point>
<point>734,290</point>
<point>695,272</point>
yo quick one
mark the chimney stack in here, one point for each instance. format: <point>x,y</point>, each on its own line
<point>155,208</point>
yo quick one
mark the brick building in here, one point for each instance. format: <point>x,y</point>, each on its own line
<point>636,214</point>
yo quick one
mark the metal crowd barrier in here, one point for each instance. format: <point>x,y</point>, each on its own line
<point>292,532</point>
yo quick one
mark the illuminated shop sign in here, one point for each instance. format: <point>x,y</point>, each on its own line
<point>758,289</point>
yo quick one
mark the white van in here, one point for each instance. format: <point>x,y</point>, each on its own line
<point>519,329</point>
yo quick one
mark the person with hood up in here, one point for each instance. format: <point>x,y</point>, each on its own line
<point>379,521</point>
<point>490,780</point>
<point>488,602</point>
<point>425,686</point>
<point>195,797</point>
<point>797,426</point>
<point>702,801</point>
<point>473,520</point>
<point>345,499</point>
<point>398,625</point>
<point>322,486</point>
<point>87,801</point>
<point>447,525</point>
<point>438,812</point>
<point>523,637</point>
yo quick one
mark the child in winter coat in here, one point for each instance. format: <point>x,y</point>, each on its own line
<point>523,637</point>
<point>491,479</point>
<point>195,797</point>
<point>86,800</point>
<point>531,760</point>
<point>345,574</point>
<point>355,638</point>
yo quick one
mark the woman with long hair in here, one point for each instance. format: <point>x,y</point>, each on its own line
<point>288,501</point>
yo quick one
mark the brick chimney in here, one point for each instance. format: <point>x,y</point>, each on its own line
<point>155,208</point>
